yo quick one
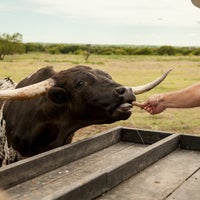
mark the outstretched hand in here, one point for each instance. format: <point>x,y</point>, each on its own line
<point>152,105</point>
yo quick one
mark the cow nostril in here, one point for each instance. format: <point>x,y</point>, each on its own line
<point>120,90</point>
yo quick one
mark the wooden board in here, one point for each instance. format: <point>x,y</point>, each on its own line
<point>29,168</point>
<point>161,179</point>
<point>190,189</point>
<point>142,136</point>
<point>190,142</point>
<point>151,161</point>
<point>75,174</point>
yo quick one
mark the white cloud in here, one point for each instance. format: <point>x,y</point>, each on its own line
<point>103,21</point>
<point>127,12</point>
<point>115,12</point>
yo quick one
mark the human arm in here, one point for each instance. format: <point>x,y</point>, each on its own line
<point>186,98</point>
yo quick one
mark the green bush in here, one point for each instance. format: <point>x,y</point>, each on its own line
<point>10,44</point>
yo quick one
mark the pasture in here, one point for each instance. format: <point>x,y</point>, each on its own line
<point>127,70</point>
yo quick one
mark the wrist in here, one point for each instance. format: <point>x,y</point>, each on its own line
<point>161,101</point>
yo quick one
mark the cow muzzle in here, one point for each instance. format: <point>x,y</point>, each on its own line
<point>124,110</point>
<point>127,97</point>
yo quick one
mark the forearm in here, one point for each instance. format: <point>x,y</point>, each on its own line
<point>186,98</point>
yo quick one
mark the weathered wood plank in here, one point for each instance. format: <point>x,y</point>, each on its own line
<point>96,177</point>
<point>29,168</point>
<point>191,142</point>
<point>86,169</point>
<point>142,160</point>
<point>128,166</point>
<point>142,136</point>
<point>189,190</point>
<point>160,179</point>
<point>75,175</point>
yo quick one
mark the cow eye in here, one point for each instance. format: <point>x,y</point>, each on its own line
<point>80,84</point>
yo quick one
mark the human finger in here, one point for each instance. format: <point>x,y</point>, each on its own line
<point>141,105</point>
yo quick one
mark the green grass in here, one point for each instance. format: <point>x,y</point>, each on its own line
<point>128,70</point>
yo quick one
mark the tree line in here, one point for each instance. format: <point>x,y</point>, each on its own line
<point>12,44</point>
<point>111,49</point>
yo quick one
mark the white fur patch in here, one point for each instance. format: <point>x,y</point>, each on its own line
<point>6,83</point>
<point>7,154</point>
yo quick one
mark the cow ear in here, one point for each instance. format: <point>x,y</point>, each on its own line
<point>58,95</point>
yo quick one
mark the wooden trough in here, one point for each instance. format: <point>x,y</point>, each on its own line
<point>122,163</point>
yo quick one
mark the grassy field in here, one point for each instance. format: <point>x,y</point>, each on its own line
<point>127,70</point>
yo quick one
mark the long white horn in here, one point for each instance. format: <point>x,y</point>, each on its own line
<point>27,92</point>
<point>144,88</point>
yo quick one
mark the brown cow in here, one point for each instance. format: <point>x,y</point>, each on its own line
<point>45,109</point>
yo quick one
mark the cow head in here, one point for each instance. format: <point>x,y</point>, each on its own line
<point>91,95</point>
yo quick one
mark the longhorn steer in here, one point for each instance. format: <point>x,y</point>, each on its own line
<point>45,109</point>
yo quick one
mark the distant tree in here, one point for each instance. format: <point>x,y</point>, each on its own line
<point>144,51</point>
<point>166,50</point>
<point>69,49</point>
<point>120,51</point>
<point>196,51</point>
<point>35,47</point>
<point>88,51</point>
<point>10,44</point>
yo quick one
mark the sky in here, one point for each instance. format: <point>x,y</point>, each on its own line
<point>120,22</point>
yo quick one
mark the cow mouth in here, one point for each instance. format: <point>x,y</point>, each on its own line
<point>122,111</point>
<point>125,107</point>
